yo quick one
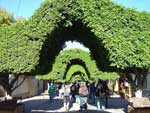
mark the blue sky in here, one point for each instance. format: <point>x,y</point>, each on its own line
<point>26,8</point>
<point>141,5</point>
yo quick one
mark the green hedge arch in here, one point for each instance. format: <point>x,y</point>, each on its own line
<point>116,36</point>
<point>68,62</point>
<point>76,70</point>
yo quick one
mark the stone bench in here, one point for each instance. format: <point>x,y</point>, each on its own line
<point>140,105</point>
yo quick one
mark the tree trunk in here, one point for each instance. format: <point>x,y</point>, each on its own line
<point>4,81</point>
<point>141,75</point>
<point>138,82</point>
<point>8,85</point>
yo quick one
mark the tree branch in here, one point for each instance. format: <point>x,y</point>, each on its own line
<point>18,85</point>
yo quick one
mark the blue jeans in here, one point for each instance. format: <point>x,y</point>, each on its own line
<point>51,96</point>
<point>77,98</point>
<point>66,102</point>
<point>93,97</point>
<point>83,102</point>
<point>101,102</point>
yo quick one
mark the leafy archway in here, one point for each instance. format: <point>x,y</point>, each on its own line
<point>76,65</point>
<point>117,37</point>
<point>74,71</point>
<point>77,77</point>
<point>70,58</point>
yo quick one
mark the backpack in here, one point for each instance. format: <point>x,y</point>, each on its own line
<point>100,90</point>
<point>72,88</point>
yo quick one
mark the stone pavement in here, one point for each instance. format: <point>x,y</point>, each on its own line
<point>41,104</point>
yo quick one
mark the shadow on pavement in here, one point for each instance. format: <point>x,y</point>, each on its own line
<point>117,103</point>
<point>56,106</point>
<point>42,104</point>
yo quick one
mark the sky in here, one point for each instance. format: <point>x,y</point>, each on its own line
<point>140,5</point>
<point>74,44</point>
<point>26,8</point>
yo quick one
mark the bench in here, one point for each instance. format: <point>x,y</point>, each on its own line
<point>140,105</point>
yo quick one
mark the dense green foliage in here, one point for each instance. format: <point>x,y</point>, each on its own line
<point>76,70</point>
<point>76,61</point>
<point>16,55</point>
<point>66,59</point>
<point>116,36</point>
<point>5,18</point>
<point>10,43</point>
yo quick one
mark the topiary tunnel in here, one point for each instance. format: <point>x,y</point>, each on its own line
<point>76,62</point>
<point>76,70</point>
<point>117,37</point>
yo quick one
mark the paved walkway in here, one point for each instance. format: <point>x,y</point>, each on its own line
<point>41,104</point>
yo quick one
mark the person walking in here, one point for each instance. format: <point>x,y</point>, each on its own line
<point>51,91</point>
<point>101,94</point>
<point>83,92</point>
<point>77,96</point>
<point>92,93</point>
<point>73,92</point>
<point>66,96</point>
<point>100,98</point>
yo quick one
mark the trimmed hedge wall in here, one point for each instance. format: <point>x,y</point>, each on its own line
<point>117,36</point>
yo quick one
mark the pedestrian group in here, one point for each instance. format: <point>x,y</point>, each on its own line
<point>81,93</point>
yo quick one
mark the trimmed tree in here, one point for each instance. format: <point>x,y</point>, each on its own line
<point>117,37</point>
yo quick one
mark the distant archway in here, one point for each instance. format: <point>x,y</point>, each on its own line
<point>78,77</point>
<point>65,61</point>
